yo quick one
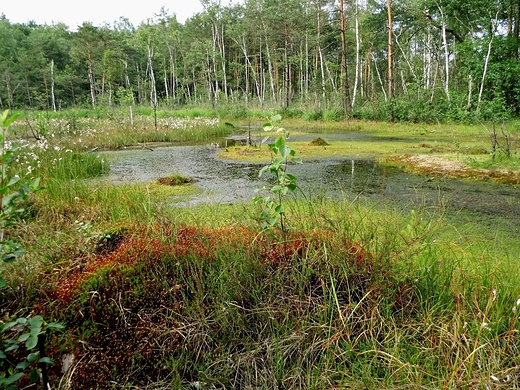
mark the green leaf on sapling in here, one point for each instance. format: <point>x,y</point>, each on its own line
<point>279,209</point>
<point>36,322</point>
<point>13,378</point>
<point>34,376</point>
<point>7,121</point>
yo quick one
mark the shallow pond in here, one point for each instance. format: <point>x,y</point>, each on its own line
<point>225,181</point>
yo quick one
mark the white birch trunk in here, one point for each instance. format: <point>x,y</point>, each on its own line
<point>53,98</point>
<point>322,65</point>
<point>486,62</point>
<point>166,89</point>
<point>223,62</point>
<point>446,56</point>
<point>427,75</point>
<point>356,78</point>
<point>470,89</point>
<point>379,78</point>
<point>91,80</point>
<point>270,68</point>
<point>153,93</point>
<point>171,56</point>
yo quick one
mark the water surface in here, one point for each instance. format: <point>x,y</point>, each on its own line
<point>223,181</point>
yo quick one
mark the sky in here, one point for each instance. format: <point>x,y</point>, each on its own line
<point>73,12</point>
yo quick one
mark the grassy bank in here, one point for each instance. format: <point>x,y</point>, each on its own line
<point>355,296</point>
<point>449,150</point>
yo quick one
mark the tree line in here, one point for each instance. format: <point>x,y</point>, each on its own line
<point>413,60</point>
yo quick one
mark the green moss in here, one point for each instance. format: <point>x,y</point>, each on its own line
<point>319,142</point>
<point>175,180</point>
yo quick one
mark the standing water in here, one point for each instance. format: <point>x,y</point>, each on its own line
<point>224,181</point>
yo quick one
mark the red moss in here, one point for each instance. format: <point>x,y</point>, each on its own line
<point>126,325</point>
<point>144,246</point>
<point>128,252</point>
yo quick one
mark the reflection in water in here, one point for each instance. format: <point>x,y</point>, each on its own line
<point>225,181</point>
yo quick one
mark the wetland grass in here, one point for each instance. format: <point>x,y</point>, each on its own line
<point>357,297</point>
<point>91,134</point>
<point>361,297</point>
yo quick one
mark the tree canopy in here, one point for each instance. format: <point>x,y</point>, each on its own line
<point>449,59</point>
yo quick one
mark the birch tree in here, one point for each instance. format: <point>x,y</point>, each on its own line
<point>390,59</point>
<point>344,64</point>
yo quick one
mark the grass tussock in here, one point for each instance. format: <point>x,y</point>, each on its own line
<point>175,180</point>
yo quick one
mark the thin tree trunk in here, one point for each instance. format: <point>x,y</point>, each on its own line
<point>403,82</point>
<point>270,68</point>
<point>256,78</point>
<point>367,73</point>
<point>172,76</point>
<point>406,59</point>
<point>166,89</point>
<point>356,79</point>
<point>214,84</point>
<point>127,79</point>
<point>389,57</point>
<point>486,61</point>
<point>322,65</point>
<point>307,68</point>
<point>427,75</point>
<point>446,56</point>
<point>246,68</point>
<point>470,89</point>
<point>261,75</point>
<point>380,79</point>
<point>153,90</point>
<point>287,72</point>
<point>53,98</point>
<point>435,77</point>
<point>223,62</point>
<point>331,78</point>
<point>211,95</point>
<point>90,70</point>
<point>194,81</point>
<point>301,75</point>
<point>344,68</point>
<point>140,91</point>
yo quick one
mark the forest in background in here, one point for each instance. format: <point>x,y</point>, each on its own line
<point>404,60</point>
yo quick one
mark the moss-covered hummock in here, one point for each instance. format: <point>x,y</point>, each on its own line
<point>175,180</point>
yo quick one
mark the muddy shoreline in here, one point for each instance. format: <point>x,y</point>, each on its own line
<point>442,167</point>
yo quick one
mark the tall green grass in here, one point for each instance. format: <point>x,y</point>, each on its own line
<point>224,312</point>
<point>418,309</point>
<point>367,297</point>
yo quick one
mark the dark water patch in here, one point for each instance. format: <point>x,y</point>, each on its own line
<point>256,139</point>
<point>224,181</point>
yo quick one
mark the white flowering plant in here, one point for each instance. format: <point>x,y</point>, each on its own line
<point>13,194</point>
<point>22,331</point>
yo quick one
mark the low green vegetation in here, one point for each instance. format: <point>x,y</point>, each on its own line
<point>340,293</point>
<point>174,180</point>
<point>477,154</point>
